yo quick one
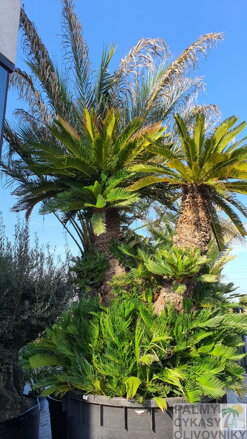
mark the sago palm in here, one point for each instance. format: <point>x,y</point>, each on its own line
<point>209,170</point>
<point>68,172</point>
<point>126,351</point>
<point>146,84</point>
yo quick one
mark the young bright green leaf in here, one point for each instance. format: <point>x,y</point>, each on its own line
<point>132,384</point>
<point>161,403</point>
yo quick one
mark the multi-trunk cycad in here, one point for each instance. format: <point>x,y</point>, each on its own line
<point>209,170</point>
<point>146,85</point>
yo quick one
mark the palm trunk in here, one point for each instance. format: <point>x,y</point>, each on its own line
<point>193,227</point>
<point>12,401</point>
<point>103,243</point>
<point>168,297</point>
<point>193,231</point>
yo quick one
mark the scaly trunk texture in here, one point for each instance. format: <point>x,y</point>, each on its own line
<point>193,231</point>
<point>193,228</point>
<point>12,401</point>
<point>167,296</point>
<point>102,243</point>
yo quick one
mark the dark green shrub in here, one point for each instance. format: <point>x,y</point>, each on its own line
<point>34,289</point>
<point>89,270</point>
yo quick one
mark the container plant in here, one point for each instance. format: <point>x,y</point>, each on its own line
<point>33,293</point>
<point>112,362</point>
<point>92,154</point>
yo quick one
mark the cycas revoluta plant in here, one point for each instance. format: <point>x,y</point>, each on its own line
<point>84,173</point>
<point>33,293</point>
<point>209,170</point>
<point>146,88</point>
<point>172,274</point>
<point>124,350</point>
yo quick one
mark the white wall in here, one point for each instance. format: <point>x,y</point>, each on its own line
<point>9,24</point>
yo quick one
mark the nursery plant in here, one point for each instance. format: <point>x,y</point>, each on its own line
<point>208,169</point>
<point>89,149</point>
<point>74,148</point>
<point>34,289</point>
<point>126,351</point>
<point>144,90</point>
<point>160,271</point>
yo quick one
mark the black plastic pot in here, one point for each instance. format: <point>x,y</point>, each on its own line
<point>24,426</point>
<point>58,418</point>
<point>99,417</point>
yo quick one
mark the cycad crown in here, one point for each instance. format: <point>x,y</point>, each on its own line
<point>209,170</point>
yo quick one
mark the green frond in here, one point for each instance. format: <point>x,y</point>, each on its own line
<point>89,126</point>
<point>98,223</point>
<point>237,186</point>
<point>211,386</point>
<point>199,133</point>
<point>118,194</point>
<point>41,360</point>
<point>217,228</point>
<point>230,135</point>
<point>163,151</point>
<point>187,143</point>
<point>151,168</point>
<point>126,134</point>
<point>104,83</point>
<point>226,208</point>
<point>144,182</point>
<point>221,130</point>
<point>109,122</point>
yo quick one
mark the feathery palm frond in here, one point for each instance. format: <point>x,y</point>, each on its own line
<point>77,54</point>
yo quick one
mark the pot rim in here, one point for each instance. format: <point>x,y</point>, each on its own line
<point>120,402</point>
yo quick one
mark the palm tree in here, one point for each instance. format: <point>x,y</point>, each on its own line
<point>208,170</point>
<point>146,88</point>
<point>145,84</point>
<point>88,173</point>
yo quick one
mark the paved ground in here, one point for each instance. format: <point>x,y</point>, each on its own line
<point>45,429</point>
<point>233,397</point>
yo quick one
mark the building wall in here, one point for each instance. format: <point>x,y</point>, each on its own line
<point>9,24</point>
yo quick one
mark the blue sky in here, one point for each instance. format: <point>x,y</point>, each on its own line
<point>179,23</point>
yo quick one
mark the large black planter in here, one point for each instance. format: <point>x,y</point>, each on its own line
<point>99,417</point>
<point>58,418</point>
<point>24,426</point>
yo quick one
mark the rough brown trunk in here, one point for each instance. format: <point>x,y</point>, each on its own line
<point>193,231</point>
<point>103,243</point>
<point>12,401</point>
<point>193,228</point>
<point>168,297</point>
